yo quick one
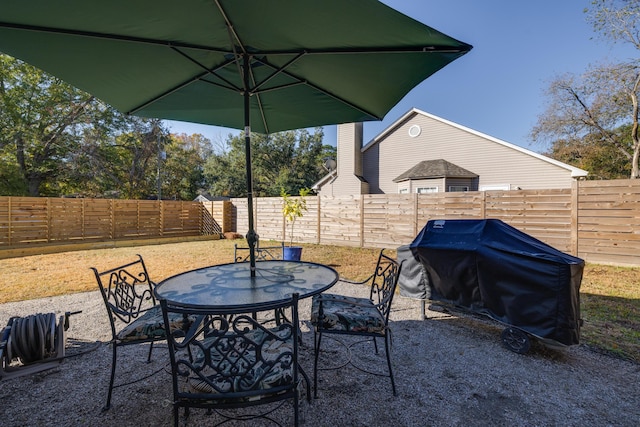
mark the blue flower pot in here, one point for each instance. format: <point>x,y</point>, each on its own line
<point>292,253</point>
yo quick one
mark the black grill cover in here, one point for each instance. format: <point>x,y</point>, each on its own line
<point>489,267</point>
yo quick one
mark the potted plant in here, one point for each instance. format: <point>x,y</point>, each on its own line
<point>292,209</point>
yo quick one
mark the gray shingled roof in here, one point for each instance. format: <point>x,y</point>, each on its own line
<point>435,169</point>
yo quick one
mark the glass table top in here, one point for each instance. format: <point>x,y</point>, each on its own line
<point>230,285</point>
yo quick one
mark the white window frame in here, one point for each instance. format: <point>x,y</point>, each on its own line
<point>426,190</point>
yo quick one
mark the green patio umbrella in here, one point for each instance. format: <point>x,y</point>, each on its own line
<point>262,66</point>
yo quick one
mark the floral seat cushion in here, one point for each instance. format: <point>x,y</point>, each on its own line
<point>149,326</point>
<point>349,314</point>
<point>234,366</point>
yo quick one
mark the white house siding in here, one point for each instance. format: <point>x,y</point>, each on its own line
<point>495,163</point>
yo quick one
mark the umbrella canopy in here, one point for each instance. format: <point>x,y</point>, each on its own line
<point>264,66</point>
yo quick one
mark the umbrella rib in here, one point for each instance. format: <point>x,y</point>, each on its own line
<point>106,36</point>
<point>165,93</point>
<point>319,89</point>
<point>239,44</point>
<point>230,29</point>
<point>199,77</point>
<point>278,70</point>
<point>256,88</point>
<point>212,71</point>
<point>172,43</point>
<point>260,108</point>
<point>379,50</point>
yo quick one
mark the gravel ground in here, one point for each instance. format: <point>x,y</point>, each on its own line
<point>451,370</point>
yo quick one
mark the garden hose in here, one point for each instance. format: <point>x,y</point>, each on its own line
<point>36,338</point>
<point>32,338</point>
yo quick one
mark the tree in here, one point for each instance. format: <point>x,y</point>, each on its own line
<point>293,208</point>
<point>601,160</point>
<point>597,104</point>
<point>616,20</point>
<point>603,100</point>
<point>619,21</point>
<point>183,170</point>
<point>289,160</point>
<point>225,171</point>
<point>42,120</point>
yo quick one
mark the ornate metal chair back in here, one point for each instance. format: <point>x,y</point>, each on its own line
<point>263,253</point>
<point>127,291</point>
<point>230,359</point>
<point>384,283</point>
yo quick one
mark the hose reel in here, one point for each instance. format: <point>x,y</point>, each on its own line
<point>32,344</point>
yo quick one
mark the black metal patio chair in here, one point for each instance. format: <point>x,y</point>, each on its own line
<point>134,316</point>
<point>366,317</point>
<point>263,253</point>
<point>230,363</point>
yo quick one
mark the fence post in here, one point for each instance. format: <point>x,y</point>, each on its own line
<point>112,218</point>
<point>48,219</point>
<point>415,214</point>
<point>9,224</point>
<point>83,213</point>
<point>362,220</point>
<point>574,243</point>
<point>201,220</point>
<point>318,216</point>
<point>138,218</point>
<point>160,218</point>
<point>226,215</point>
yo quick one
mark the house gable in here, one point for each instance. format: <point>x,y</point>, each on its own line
<point>419,136</point>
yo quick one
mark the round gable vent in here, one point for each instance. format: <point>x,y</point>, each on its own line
<point>414,131</point>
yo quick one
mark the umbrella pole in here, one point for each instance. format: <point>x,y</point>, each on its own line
<point>252,237</point>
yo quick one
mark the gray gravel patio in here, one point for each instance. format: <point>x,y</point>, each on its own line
<point>451,370</point>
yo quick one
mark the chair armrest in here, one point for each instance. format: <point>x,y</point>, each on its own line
<point>354,282</point>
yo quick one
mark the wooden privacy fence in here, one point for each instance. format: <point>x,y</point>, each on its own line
<point>598,221</point>
<point>33,221</point>
<point>392,220</point>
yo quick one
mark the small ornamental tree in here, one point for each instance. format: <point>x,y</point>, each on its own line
<point>293,208</point>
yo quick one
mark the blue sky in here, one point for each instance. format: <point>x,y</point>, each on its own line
<point>498,87</point>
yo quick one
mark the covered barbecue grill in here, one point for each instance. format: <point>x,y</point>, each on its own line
<point>491,268</point>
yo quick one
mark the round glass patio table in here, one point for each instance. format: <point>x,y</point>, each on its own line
<point>231,285</point>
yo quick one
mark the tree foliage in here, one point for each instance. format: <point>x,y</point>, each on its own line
<point>616,20</point>
<point>589,114</point>
<point>293,208</point>
<point>286,160</point>
<point>57,140</point>
<point>601,160</point>
<point>42,120</point>
<point>182,173</point>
